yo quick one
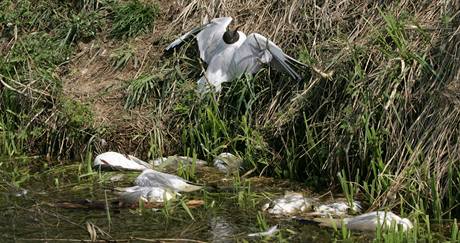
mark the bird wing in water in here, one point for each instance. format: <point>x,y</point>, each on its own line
<point>117,161</point>
<point>152,178</point>
<point>257,49</point>
<point>209,38</point>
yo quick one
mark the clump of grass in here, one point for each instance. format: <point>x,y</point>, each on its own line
<point>133,18</point>
<point>75,114</point>
<point>39,51</point>
<point>82,26</point>
<point>140,89</point>
<point>124,55</point>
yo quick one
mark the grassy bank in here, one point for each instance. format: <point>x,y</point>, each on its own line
<point>384,125</point>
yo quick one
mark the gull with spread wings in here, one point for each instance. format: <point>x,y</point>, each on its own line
<point>230,53</point>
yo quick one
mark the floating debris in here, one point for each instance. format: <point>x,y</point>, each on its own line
<point>269,232</point>
<point>337,209</point>
<point>290,203</point>
<point>227,163</point>
<point>116,161</point>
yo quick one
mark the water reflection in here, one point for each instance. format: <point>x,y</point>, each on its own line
<point>222,231</point>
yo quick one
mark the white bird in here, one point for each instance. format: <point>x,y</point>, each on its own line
<point>153,178</point>
<point>150,185</point>
<point>147,194</point>
<point>370,221</point>
<point>337,209</point>
<point>230,53</point>
<point>155,186</point>
<point>117,161</point>
<point>290,203</point>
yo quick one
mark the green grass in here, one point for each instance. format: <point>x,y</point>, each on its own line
<point>140,89</point>
<point>124,55</point>
<point>133,18</point>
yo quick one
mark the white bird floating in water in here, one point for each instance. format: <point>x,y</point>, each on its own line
<point>153,178</point>
<point>370,221</point>
<point>337,209</point>
<point>133,194</point>
<point>230,53</point>
<point>150,185</point>
<point>117,161</point>
<point>290,203</point>
<point>155,186</point>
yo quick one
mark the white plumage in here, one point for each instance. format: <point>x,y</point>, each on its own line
<point>230,54</point>
<point>147,194</point>
<point>150,185</point>
<point>337,209</point>
<point>114,160</point>
<point>290,203</point>
<point>370,221</point>
<point>153,178</point>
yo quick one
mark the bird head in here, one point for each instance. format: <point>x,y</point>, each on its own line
<point>231,36</point>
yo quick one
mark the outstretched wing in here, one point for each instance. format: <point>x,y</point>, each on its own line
<point>209,38</point>
<point>184,38</point>
<point>256,50</point>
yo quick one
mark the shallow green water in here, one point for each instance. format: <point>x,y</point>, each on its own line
<point>225,216</point>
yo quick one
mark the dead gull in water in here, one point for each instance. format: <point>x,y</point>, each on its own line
<point>117,161</point>
<point>135,194</point>
<point>153,178</point>
<point>150,185</point>
<point>290,203</point>
<point>370,221</point>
